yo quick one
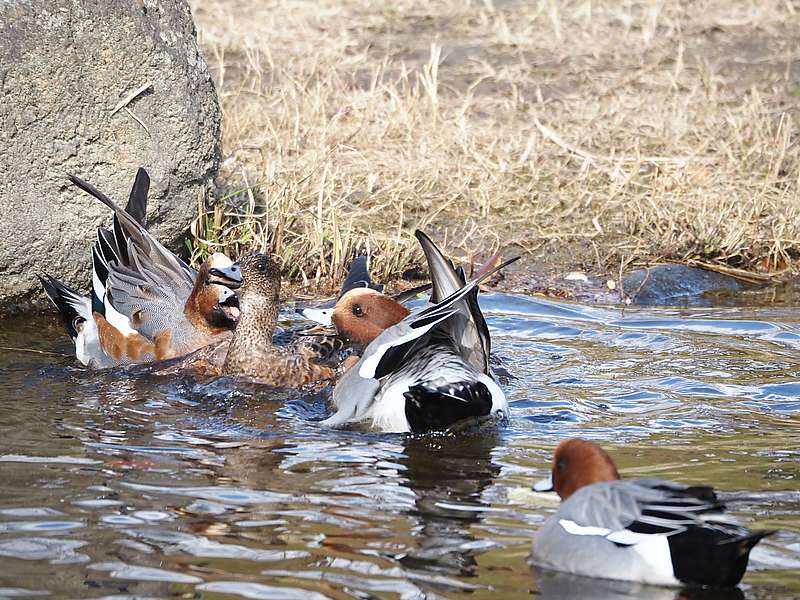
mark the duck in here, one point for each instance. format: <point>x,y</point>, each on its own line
<point>648,531</point>
<point>146,303</point>
<point>75,308</point>
<point>250,353</point>
<point>430,370</point>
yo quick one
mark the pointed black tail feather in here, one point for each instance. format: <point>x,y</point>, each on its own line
<point>137,201</point>
<point>93,191</point>
<point>411,293</point>
<point>66,300</point>
<point>437,408</point>
<point>125,226</point>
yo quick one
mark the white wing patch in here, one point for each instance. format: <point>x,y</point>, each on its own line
<point>627,537</point>
<point>653,551</point>
<point>370,363</point>
<point>575,529</point>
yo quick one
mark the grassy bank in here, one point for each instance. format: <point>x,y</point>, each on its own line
<point>592,133</point>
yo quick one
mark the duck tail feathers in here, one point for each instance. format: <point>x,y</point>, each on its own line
<point>358,276</point>
<point>445,278</point>
<point>438,407</point>
<point>713,556</point>
<point>73,308</point>
<point>93,191</point>
<point>748,540</point>
<point>137,201</point>
<point>411,293</point>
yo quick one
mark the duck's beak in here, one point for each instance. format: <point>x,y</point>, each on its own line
<point>229,303</point>
<point>545,485</point>
<point>323,316</point>
<point>230,277</point>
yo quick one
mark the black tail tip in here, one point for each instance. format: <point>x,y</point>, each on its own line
<point>748,542</point>
<point>142,175</point>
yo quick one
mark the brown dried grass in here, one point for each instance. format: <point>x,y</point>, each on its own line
<point>597,131</point>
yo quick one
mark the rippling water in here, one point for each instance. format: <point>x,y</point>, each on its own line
<point>137,486</point>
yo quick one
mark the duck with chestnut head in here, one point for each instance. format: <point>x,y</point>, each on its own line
<point>640,530</point>
<point>426,372</point>
<point>250,352</point>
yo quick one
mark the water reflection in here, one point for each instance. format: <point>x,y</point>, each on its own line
<point>448,476</point>
<point>560,586</point>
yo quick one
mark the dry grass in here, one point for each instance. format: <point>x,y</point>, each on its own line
<point>593,131</point>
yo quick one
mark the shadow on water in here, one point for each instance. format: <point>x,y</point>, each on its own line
<point>125,484</point>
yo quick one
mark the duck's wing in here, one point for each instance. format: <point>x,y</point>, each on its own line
<point>137,283</point>
<point>146,292</point>
<point>445,278</point>
<point>388,351</point>
<point>471,332</point>
<point>137,200</point>
<point>627,512</point>
<point>128,232</point>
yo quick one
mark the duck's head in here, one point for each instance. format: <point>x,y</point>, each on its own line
<point>362,314</point>
<point>577,463</point>
<point>213,304</point>
<point>261,282</point>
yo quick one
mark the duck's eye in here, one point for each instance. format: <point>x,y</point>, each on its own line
<point>262,266</point>
<point>357,311</point>
<point>561,464</point>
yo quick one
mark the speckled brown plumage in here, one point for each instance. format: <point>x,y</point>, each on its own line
<point>251,353</point>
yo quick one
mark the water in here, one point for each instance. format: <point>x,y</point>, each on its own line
<point>124,486</point>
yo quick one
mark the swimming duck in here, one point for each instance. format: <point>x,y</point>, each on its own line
<point>250,353</point>
<point>426,372</point>
<point>643,530</point>
<point>146,303</point>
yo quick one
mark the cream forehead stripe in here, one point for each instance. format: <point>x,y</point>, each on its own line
<point>219,261</point>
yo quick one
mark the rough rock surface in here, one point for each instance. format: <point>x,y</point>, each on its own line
<point>64,68</point>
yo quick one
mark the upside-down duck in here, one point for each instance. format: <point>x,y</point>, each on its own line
<point>428,371</point>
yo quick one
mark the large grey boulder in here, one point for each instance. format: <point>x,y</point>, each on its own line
<point>66,70</point>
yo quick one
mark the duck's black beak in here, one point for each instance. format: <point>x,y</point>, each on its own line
<point>230,277</point>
